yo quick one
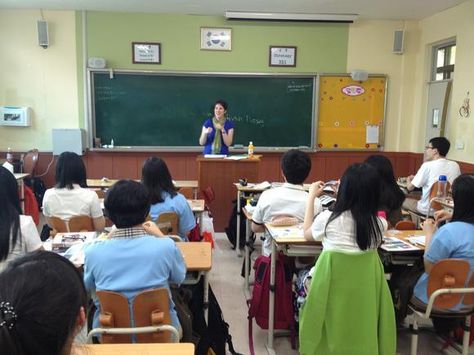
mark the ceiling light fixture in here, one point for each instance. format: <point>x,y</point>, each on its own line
<point>292,17</point>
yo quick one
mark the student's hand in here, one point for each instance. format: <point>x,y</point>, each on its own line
<point>410,178</point>
<point>151,228</point>
<point>429,226</point>
<point>442,215</point>
<point>316,189</point>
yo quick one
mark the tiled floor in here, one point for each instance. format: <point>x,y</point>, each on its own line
<point>228,287</point>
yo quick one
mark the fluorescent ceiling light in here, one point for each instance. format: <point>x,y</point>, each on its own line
<point>275,16</point>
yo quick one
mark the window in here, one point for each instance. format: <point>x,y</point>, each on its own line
<point>444,57</point>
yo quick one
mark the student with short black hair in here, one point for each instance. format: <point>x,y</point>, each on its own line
<point>435,165</point>
<point>42,305</point>
<point>18,233</point>
<point>131,260</point>
<point>70,196</point>
<point>288,199</point>
<point>164,197</point>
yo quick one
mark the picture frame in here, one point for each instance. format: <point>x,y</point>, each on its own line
<point>282,56</point>
<point>146,53</point>
<point>216,39</point>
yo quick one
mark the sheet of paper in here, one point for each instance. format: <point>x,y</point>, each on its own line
<point>372,134</point>
<point>417,240</point>
<point>397,245</point>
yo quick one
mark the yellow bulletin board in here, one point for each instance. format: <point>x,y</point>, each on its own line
<point>351,113</point>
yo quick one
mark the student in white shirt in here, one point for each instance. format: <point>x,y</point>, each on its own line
<point>18,234</point>
<point>353,224</point>
<point>435,165</point>
<point>288,199</point>
<point>70,197</point>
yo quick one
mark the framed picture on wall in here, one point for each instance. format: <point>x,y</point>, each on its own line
<point>282,56</point>
<point>146,53</point>
<point>216,39</point>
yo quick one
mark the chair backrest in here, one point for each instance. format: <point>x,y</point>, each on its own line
<point>114,313</point>
<point>81,224</point>
<point>168,222</point>
<point>208,195</point>
<point>405,225</point>
<point>58,225</point>
<point>187,192</point>
<point>448,273</point>
<point>435,206</point>
<point>151,307</point>
<point>469,298</point>
<point>30,159</point>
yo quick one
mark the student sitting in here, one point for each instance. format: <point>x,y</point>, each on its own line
<point>435,165</point>
<point>289,199</point>
<point>18,233</point>
<point>164,198</point>
<point>42,305</point>
<point>70,197</point>
<point>391,196</point>
<point>454,240</point>
<point>131,260</point>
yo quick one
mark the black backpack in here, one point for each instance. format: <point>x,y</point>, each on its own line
<point>38,187</point>
<point>215,335</point>
<point>231,229</point>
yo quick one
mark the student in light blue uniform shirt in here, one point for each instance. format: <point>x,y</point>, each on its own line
<point>132,259</point>
<point>164,197</point>
<point>453,240</point>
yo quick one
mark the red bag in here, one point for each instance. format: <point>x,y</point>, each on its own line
<point>194,235</point>
<point>31,205</point>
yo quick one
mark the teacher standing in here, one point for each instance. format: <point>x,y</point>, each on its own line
<point>217,132</point>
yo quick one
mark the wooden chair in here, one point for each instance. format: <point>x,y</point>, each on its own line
<point>152,320</point>
<point>435,206</point>
<point>447,284</point>
<point>187,192</point>
<point>75,224</point>
<point>168,222</point>
<point>29,161</point>
<point>405,225</point>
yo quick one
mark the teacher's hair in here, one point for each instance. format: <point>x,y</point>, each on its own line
<point>157,179</point>
<point>10,211</point>
<point>220,102</point>
<point>463,195</point>
<point>41,295</point>
<point>359,193</point>
<point>70,169</point>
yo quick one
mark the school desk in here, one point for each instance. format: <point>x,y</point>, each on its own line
<point>291,241</point>
<point>408,257</point>
<point>134,349</point>
<point>106,183</point>
<point>21,187</point>
<point>248,220</point>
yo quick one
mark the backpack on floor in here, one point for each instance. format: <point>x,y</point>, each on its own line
<point>214,336</point>
<point>284,317</point>
<point>231,229</point>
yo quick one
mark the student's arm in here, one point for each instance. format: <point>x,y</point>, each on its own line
<point>410,186</point>
<point>99,223</point>
<point>258,228</point>
<point>429,229</point>
<point>228,136</point>
<point>315,190</point>
<point>96,213</point>
<point>178,267</point>
<point>442,215</point>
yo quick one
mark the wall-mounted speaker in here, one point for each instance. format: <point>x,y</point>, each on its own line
<point>359,75</point>
<point>398,37</point>
<point>96,63</point>
<point>43,37</point>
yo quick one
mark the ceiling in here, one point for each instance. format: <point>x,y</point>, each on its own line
<point>366,9</point>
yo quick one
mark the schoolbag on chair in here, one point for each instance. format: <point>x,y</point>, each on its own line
<point>284,317</point>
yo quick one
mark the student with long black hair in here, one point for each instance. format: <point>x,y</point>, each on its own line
<point>163,195</point>
<point>18,233</point>
<point>42,305</point>
<point>353,224</point>
<point>454,239</point>
<point>391,196</point>
<point>70,196</point>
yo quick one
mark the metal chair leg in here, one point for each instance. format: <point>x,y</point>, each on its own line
<point>414,335</point>
<point>466,335</point>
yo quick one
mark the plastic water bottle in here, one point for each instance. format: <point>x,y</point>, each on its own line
<point>442,186</point>
<point>9,155</point>
<point>250,150</point>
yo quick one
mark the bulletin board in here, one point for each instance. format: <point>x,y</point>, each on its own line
<point>351,113</point>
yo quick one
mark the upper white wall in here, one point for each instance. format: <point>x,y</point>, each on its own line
<point>43,79</point>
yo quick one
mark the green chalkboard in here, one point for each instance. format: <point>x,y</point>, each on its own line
<point>143,109</point>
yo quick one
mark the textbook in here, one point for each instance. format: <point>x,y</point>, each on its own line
<point>395,244</point>
<point>63,241</point>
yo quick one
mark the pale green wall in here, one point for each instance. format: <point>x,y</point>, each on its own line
<point>321,47</point>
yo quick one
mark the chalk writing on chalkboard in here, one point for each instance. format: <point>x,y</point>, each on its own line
<point>294,87</point>
<point>259,122</point>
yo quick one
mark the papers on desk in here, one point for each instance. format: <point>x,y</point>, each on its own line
<point>262,186</point>
<point>394,244</point>
<point>417,240</point>
<point>285,232</point>
<point>215,156</point>
<point>237,157</point>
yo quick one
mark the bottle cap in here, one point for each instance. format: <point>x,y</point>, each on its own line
<point>442,178</point>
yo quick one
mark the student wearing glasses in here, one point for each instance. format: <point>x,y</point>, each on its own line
<point>435,165</point>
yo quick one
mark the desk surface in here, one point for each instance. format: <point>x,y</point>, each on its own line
<point>289,235</point>
<point>250,187</point>
<point>197,256</point>
<point>134,349</point>
<point>109,182</point>
<point>403,235</point>
<point>20,176</point>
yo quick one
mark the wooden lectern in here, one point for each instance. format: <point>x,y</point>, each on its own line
<point>221,174</point>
